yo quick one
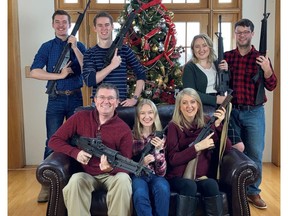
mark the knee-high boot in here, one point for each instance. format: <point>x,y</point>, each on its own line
<point>186,205</point>
<point>213,205</point>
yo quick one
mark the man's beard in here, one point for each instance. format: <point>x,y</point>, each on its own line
<point>244,46</point>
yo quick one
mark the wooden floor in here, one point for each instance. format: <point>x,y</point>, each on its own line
<point>23,189</point>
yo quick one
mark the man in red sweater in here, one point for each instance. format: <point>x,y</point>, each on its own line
<point>115,134</point>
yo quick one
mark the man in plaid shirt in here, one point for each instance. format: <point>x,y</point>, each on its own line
<point>247,117</point>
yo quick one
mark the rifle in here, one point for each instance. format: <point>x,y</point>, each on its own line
<point>118,41</point>
<point>222,78</point>
<point>94,146</point>
<point>63,59</point>
<point>259,76</point>
<point>207,128</point>
<point>150,147</point>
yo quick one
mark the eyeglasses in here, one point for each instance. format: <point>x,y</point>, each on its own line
<point>103,98</point>
<point>243,33</point>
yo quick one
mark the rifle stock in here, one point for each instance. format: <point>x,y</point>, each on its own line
<point>95,147</point>
<point>51,86</point>
<point>207,128</point>
<point>118,41</point>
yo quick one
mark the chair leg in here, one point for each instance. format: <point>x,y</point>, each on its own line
<point>186,205</point>
<point>213,206</point>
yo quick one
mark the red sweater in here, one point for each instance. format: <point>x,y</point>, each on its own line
<point>179,154</point>
<point>115,134</point>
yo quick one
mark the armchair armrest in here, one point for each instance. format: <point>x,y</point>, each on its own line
<point>237,172</point>
<point>55,172</point>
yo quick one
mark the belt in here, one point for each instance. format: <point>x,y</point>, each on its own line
<point>68,92</point>
<point>246,107</point>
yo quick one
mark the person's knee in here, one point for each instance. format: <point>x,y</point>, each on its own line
<point>163,186</point>
<point>239,146</point>
<point>123,180</point>
<point>189,188</point>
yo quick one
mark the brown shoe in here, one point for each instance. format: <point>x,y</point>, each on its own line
<point>257,201</point>
<point>44,194</point>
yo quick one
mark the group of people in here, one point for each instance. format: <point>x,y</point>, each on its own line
<point>150,195</point>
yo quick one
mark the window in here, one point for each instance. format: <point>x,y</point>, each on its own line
<point>191,17</point>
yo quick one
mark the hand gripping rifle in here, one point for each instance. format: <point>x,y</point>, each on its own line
<point>150,147</point>
<point>222,77</point>
<point>118,41</point>
<point>207,128</point>
<point>95,147</point>
<point>62,61</point>
<point>259,76</point>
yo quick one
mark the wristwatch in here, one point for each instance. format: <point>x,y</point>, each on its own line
<point>135,97</point>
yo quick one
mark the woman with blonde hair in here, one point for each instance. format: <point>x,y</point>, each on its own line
<point>187,122</point>
<point>149,149</point>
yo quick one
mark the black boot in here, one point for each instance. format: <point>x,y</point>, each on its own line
<point>186,205</point>
<point>213,206</point>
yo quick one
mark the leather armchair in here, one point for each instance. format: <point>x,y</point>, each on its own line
<point>237,171</point>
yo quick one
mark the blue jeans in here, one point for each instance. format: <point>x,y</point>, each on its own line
<point>59,108</point>
<point>151,195</point>
<point>251,127</point>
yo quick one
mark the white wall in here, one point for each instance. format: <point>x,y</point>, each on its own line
<point>35,19</point>
<point>35,28</point>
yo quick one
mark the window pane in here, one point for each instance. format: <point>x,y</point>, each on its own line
<point>117,1</point>
<point>70,30</point>
<point>225,1</point>
<point>226,34</point>
<point>117,27</point>
<point>181,38</point>
<point>193,28</point>
<point>178,1</point>
<point>227,37</point>
<point>112,1</point>
<point>185,33</point>
<point>70,1</point>
<point>193,1</point>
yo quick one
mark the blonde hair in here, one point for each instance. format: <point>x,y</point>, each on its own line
<point>212,55</point>
<point>178,117</point>
<point>138,127</point>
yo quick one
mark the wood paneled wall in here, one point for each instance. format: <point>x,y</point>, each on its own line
<point>276,95</point>
<point>16,150</point>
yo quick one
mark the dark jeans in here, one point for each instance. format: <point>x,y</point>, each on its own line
<point>151,195</point>
<point>59,108</point>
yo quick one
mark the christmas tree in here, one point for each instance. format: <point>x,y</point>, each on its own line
<point>152,38</point>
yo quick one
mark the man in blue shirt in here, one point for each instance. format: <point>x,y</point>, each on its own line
<point>68,79</point>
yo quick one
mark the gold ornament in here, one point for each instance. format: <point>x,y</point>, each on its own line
<point>171,14</point>
<point>162,68</point>
<point>178,72</point>
<point>154,48</point>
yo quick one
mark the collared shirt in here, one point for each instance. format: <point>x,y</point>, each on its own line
<point>242,69</point>
<point>48,55</point>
